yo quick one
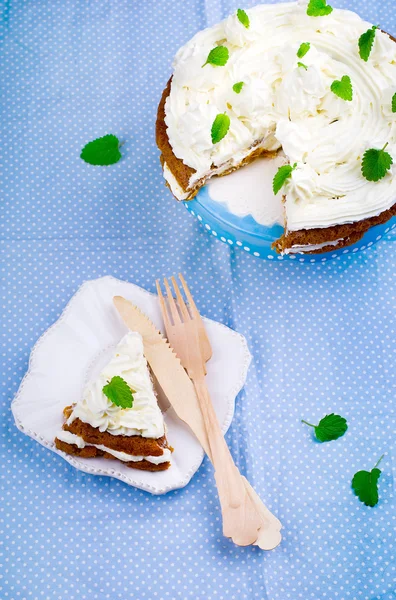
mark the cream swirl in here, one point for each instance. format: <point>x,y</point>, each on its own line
<point>144,418</point>
<point>285,105</point>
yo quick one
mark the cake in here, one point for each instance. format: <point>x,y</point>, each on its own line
<point>315,82</point>
<point>118,416</point>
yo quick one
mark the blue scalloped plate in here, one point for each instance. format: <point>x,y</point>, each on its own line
<point>256,239</point>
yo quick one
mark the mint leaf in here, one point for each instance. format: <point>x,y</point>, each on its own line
<point>118,391</point>
<point>218,57</point>
<point>243,18</point>
<point>394,103</point>
<point>343,89</point>
<point>238,86</point>
<point>331,427</point>
<point>319,8</point>
<point>300,64</point>
<point>365,485</point>
<point>366,42</point>
<point>376,163</point>
<point>303,49</point>
<point>281,176</point>
<point>102,151</point>
<point>220,127</point>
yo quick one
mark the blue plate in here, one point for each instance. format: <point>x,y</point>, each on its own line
<point>256,239</point>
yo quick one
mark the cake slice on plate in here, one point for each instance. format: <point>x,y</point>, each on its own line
<point>118,416</point>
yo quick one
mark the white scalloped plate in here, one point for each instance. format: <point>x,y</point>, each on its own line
<point>76,347</point>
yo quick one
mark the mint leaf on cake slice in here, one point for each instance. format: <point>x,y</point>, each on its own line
<point>220,127</point>
<point>118,391</point>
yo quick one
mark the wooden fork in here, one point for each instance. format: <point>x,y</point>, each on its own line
<point>241,518</point>
<point>269,533</point>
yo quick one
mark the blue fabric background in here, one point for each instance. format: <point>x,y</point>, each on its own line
<point>322,335</point>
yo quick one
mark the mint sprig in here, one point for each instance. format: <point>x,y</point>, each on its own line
<point>365,485</point>
<point>331,427</point>
<point>343,88</point>
<point>237,87</point>
<point>281,176</point>
<point>220,127</point>
<point>218,57</point>
<point>319,8</point>
<point>118,392</point>
<point>243,18</point>
<point>376,163</point>
<point>394,103</point>
<point>103,151</point>
<point>366,42</point>
<point>303,49</point>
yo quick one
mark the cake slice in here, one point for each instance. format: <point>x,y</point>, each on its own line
<point>118,416</point>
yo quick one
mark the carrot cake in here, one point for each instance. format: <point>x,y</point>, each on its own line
<point>118,416</point>
<point>318,83</point>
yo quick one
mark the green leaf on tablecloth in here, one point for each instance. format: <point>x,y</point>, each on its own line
<point>365,485</point>
<point>331,427</point>
<point>103,151</point>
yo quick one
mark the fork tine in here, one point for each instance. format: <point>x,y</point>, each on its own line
<point>164,309</point>
<point>180,300</point>
<point>172,304</point>
<point>188,294</point>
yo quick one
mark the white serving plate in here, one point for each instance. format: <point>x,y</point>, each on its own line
<point>75,349</point>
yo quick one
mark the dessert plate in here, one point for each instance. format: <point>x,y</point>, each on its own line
<point>254,238</point>
<point>76,348</point>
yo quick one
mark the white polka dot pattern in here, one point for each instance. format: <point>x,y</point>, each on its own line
<point>322,335</point>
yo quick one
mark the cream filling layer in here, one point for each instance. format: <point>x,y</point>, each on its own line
<point>296,249</point>
<point>288,106</point>
<point>76,440</point>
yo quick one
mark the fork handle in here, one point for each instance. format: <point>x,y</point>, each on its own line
<point>229,480</point>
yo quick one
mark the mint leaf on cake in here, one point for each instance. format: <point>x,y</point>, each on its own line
<point>343,88</point>
<point>119,392</point>
<point>103,151</point>
<point>303,49</point>
<point>220,127</point>
<point>394,103</point>
<point>319,8</point>
<point>243,18</point>
<point>218,57</point>
<point>366,42</point>
<point>237,87</point>
<point>376,163</point>
<point>331,427</point>
<point>281,176</point>
<point>365,485</point>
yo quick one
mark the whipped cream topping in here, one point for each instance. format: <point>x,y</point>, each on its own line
<point>282,105</point>
<point>145,417</point>
<point>76,440</point>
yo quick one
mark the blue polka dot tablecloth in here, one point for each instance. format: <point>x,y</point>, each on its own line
<point>322,335</point>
